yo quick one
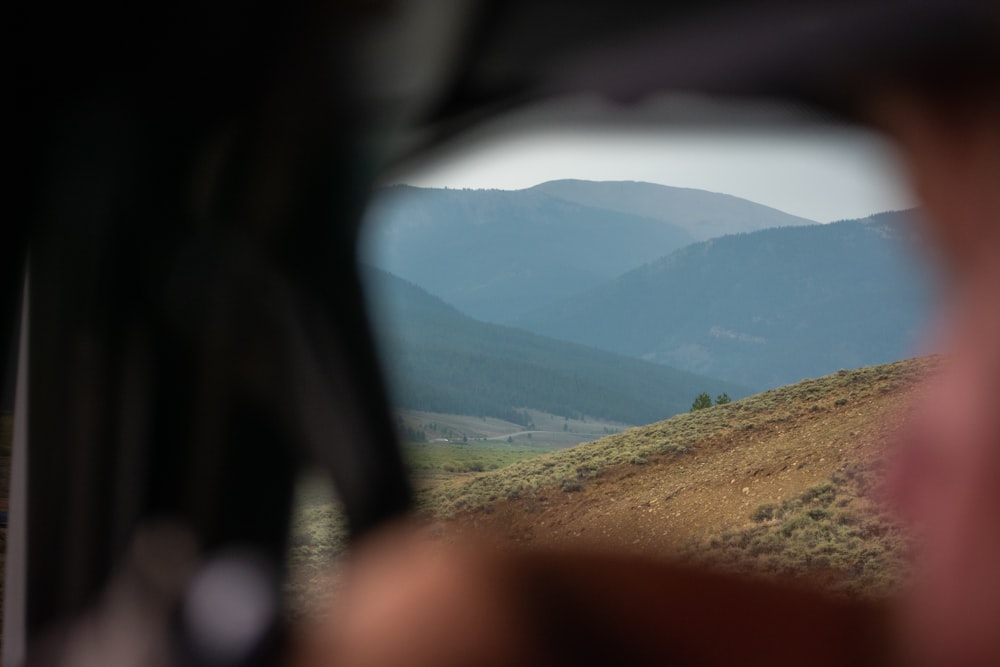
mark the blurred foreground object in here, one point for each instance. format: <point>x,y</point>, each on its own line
<point>417,602</point>
<point>187,186</point>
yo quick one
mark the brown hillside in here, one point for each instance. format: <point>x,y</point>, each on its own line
<point>777,482</point>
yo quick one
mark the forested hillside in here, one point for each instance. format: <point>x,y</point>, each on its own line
<point>440,360</point>
<point>762,309</point>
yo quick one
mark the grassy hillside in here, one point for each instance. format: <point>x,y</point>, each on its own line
<point>778,484</point>
<point>703,215</point>
<point>439,360</point>
<point>762,309</point>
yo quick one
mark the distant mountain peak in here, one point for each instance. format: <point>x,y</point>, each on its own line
<point>764,308</point>
<point>496,254</point>
<point>701,213</point>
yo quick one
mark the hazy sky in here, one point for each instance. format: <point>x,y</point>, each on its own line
<point>821,174</point>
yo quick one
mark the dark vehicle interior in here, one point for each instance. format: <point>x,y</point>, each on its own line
<point>183,321</point>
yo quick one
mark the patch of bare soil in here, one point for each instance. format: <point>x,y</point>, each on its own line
<point>677,501</point>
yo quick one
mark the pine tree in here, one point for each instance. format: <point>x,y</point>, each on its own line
<point>702,401</point>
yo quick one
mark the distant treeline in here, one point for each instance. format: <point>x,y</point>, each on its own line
<point>763,309</point>
<point>442,361</point>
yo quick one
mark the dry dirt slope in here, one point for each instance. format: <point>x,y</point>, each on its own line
<point>776,483</point>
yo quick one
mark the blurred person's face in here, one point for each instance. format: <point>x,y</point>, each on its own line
<point>947,478</point>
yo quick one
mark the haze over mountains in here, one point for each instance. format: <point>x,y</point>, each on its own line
<point>618,266</point>
<point>762,309</point>
<point>497,254</point>
<point>703,215</point>
<point>440,360</point>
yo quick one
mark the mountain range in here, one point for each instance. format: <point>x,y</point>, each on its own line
<point>497,254</point>
<point>701,214</point>
<point>617,266</point>
<point>762,309</point>
<point>440,360</point>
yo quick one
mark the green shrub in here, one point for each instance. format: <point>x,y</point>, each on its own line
<point>764,512</point>
<point>701,401</point>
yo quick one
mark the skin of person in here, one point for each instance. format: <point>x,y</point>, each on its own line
<point>946,480</point>
<point>412,601</point>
